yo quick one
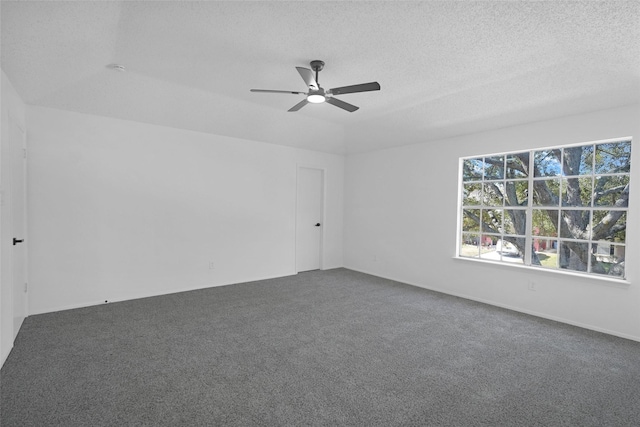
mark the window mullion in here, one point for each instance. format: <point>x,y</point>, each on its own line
<point>528,245</point>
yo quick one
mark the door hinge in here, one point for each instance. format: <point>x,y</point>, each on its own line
<point>26,287</point>
<point>24,153</point>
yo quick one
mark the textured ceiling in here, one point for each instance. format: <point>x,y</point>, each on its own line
<point>446,68</point>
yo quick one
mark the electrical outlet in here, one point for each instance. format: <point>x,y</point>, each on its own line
<point>532,285</point>
<point>375,258</point>
<point>211,265</point>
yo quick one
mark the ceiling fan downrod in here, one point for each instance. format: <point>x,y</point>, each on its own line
<point>317,66</point>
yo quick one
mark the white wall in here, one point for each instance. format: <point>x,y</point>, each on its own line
<point>12,106</point>
<point>120,209</point>
<point>401,212</point>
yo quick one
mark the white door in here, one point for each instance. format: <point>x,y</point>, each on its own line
<point>6,252</point>
<point>16,139</point>
<point>309,219</point>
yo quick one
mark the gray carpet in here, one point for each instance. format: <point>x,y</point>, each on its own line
<point>334,347</point>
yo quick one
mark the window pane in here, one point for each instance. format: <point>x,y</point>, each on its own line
<point>613,157</point>
<point>470,245</point>
<point>546,192</point>
<point>490,254</point>
<point>518,165</point>
<point>547,163</point>
<point>493,193</point>
<point>515,222</point>
<point>576,192</point>
<point>543,223</point>
<point>611,189</point>
<point>472,169</point>
<point>607,259</point>
<point>546,252</point>
<point>578,160</point>
<point>471,194</point>
<point>488,250</point>
<point>519,242</point>
<point>494,167</point>
<point>516,193</point>
<point>574,224</point>
<point>489,240</point>
<point>471,220</point>
<point>510,250</point>
<point>609,225</point>
<point>573,255</point>
<point>492,220</point>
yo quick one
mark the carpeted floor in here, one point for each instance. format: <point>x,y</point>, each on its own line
<point>330,347</point>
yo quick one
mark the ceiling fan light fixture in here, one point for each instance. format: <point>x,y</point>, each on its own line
<point>316,98</point>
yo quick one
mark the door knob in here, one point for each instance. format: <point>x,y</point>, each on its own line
<point>318,225</point>
<point>16,241</point>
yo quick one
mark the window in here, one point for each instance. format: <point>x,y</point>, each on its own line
<point>562,208</point>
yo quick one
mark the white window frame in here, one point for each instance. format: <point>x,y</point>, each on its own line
<point>530,207</point>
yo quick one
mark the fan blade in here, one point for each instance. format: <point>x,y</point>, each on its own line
<point>364,87</point>
<point>307,76</point>
<point>278,91</point>
<point>299,105</point>
<point>341,104</point>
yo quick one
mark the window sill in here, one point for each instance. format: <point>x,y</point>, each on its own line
<point>604,280</point>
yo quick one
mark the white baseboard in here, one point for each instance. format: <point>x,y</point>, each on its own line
<point>508,307</point>
<point>150,294</point>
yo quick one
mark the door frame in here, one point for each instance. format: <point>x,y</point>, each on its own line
<point>8,157</point>
<point>323,181</point>
<point>23,234</point>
